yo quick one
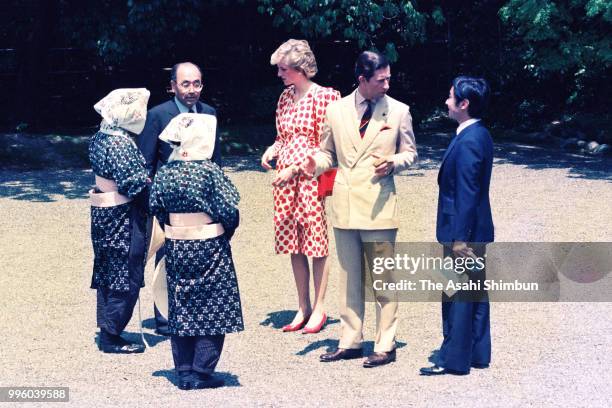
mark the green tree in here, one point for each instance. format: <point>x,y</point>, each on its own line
<point>371,23</point>
<point>120,29</point>
<point>569,38</point>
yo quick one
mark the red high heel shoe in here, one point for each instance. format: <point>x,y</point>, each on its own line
<point>317,328</point>
<point>297,326</point>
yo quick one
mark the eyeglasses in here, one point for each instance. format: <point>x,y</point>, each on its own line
<point>185,85</point>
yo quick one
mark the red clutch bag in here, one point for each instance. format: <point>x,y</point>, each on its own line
<point>326,183</point>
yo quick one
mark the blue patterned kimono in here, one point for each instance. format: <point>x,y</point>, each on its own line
<point>116,158</point>
<point>203,296</point>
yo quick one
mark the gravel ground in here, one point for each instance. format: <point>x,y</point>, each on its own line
<point>544,354</point>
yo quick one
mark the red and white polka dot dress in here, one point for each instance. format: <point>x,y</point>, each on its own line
<point>300,225</point>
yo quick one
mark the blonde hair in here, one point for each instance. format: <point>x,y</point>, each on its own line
<point>298,55</point>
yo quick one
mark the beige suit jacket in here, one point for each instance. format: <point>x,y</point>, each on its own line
<point>362,200</point>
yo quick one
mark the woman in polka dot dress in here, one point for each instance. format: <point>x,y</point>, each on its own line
<point>300,225</point>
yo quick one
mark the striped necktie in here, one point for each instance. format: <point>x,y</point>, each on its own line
<point>365,119</point>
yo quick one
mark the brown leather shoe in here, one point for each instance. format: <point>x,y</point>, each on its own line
<point>378,359</point>
<point>341,354</point>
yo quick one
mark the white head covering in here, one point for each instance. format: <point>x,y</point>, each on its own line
<point>123,109</point>
<point>192,135</point>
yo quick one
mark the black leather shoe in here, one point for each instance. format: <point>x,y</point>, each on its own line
<point>202,381</point>
<point>341,354</point>
<point>115,344</point>
<point>185,381</point>
<point>378,359</point>
<point>122,348</point>
<point>437,370</point>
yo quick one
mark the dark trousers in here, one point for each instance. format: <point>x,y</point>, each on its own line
<point>197,353</point>
<point>114,309</point>
<point>466,326</point>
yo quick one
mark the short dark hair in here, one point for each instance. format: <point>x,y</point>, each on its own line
<point>175,68</point>
<point>475,90</point>
<point>368,62</point>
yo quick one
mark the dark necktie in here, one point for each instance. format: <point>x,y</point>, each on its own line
<point>365,119</point>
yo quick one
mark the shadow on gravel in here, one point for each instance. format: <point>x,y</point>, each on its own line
<point>154,339</point>
<point>19,180</point>
<point>149,323</point>
<point>432,146</point>
<point>279,319</point>
<point>540,158</point>
<point>134,337</point>
<point>231,380</point>
<point>41,186</point>
<point>328,345</point>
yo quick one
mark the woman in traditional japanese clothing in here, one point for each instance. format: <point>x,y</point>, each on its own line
<point>198,204</point>
<point>116,230</point>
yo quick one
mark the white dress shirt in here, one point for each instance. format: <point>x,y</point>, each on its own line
<point>184,109</point>
<point>361,104</point>
<point>466,124</point>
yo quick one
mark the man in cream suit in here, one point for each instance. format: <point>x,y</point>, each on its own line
<point>369,137</point>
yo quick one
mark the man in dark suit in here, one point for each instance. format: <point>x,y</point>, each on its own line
<point>186,83</point>
<point>464,226</point>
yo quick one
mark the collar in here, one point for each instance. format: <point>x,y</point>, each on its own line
<point>183,108</point>
<point>359,99</point>
<point>466,124</point>
<point>309,92</point>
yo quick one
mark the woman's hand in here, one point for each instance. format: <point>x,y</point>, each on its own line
<point>265,159</point>
<point>285,175</point>
<point>308,166</point>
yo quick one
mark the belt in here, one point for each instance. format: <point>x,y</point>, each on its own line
<point>111,199</point>
<point>205,231</point>
<point>106,185</point>
<point>189,219</point>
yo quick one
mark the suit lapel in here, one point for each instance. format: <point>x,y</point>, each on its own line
<point>351,122</point>
<point>454,141</point>
<point>452,144</point>
<point>379,117</point>
<point>173,110</point>
<point>448,149</point>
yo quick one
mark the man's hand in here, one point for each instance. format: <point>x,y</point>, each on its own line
<point>285,175</point>
<point>265,159</point>
<point>382,165</point>
<point>308,166</point>
<point>461,250</point>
